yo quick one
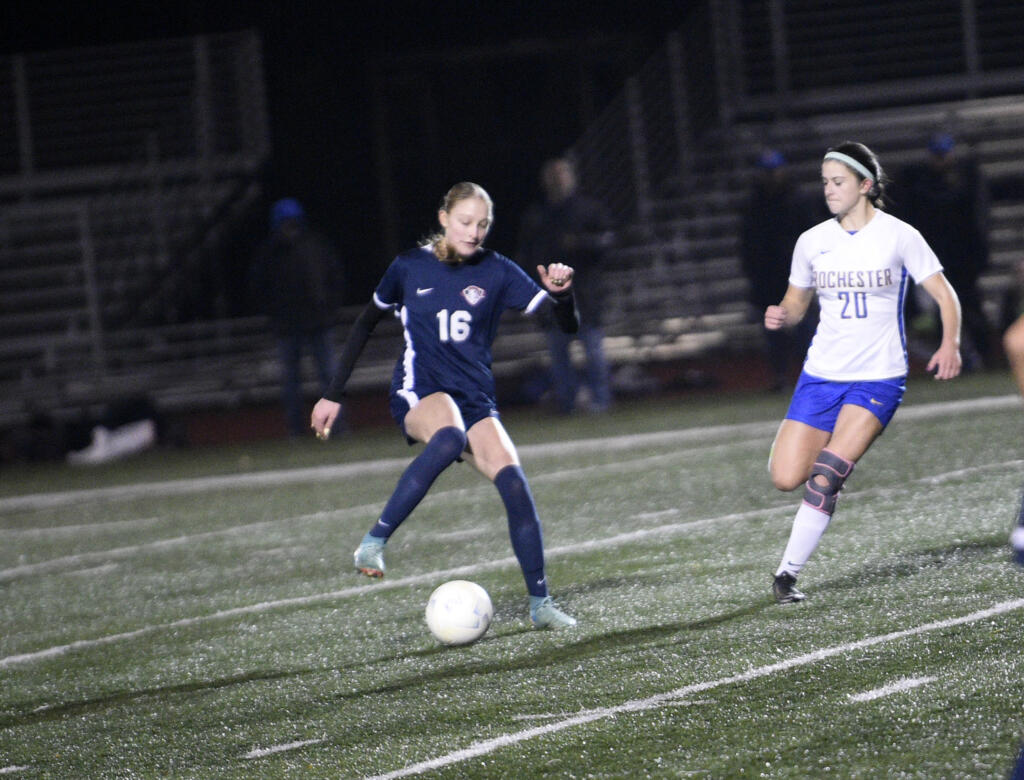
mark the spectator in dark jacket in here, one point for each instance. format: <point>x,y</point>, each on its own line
<point>296,281</point>
<point>775,215</point>
<point>572,228</point>
<point>946,198</point>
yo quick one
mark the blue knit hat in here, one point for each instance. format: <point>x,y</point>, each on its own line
<point>771,159</point>
<point>286,208</point>
<point>941,143</point>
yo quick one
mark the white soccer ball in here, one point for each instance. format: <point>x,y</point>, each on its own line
<point>459,612</point>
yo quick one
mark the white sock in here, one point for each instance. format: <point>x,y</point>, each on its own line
<point>1017,537</point>
<point>808,527</point>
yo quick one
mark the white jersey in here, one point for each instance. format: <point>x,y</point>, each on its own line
<point>861,281</point>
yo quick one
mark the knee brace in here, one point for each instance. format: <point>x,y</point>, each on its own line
<point>834,470</point>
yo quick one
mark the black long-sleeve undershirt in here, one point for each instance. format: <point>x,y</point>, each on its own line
<point>563,306</point>
<point>353,348</point>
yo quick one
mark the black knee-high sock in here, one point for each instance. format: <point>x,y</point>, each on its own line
<point>523,527</point>
<point>441,451</point>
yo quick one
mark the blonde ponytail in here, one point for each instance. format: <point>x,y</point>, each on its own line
<point>436,242</point>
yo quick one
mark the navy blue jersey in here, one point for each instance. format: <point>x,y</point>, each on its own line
<point>450,316</point>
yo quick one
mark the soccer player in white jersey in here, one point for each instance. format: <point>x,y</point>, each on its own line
<point>450,294</point>
<point>854,376</point>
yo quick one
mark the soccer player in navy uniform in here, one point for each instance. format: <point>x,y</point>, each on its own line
<point>857,263</point>
<point>450,294</point>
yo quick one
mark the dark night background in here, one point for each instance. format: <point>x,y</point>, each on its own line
<point>318,58</point>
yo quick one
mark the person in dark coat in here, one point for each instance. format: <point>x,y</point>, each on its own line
<point>577,230</point>
<point>296,281</point>
<point>775,215</point>
<point>946,198</point>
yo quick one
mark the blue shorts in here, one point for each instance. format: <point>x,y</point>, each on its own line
<point>817,402</point>
<point>472,411</point>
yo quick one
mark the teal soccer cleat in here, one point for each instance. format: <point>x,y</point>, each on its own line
<point>369,557</point>
<point>545,614</point>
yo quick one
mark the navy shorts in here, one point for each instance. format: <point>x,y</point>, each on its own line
<point>472,410</point>
<point>817,402</point>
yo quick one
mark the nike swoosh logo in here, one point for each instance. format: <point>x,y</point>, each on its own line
<point>824,251</point>
<point>877,403</point>
<point>424,290</point>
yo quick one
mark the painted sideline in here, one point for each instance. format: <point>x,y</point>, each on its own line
<point>894,687</point>
<point>387,584</point>
<point>67,564</point>
<point>261,752</point>
<point>328,473</point>
<point>653,702</point>
<point>466,571</point>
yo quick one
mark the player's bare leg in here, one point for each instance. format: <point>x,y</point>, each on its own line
<point>494,455</point>
<point>824,471</point>
<point>436,422</point>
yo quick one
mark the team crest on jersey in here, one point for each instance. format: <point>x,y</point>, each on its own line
<point>474,294</point>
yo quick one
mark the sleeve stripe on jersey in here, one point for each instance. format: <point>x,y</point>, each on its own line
<point>381,304</point>
<point>537,300</point>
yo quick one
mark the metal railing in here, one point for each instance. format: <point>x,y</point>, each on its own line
<point>119,167</point>
<point>77,117</point>
<point>779,61</point>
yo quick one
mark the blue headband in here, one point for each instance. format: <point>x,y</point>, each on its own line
<point>847,160</point>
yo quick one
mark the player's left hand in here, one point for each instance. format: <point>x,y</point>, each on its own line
<point>946,362</point>
<point>556,278</point>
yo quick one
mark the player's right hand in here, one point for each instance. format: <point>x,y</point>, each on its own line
<point>324,414</point>
<point>775,317</point>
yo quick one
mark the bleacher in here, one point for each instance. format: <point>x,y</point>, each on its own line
<point>674,152</point>
<point>122,169</point>
<point>685,282</point>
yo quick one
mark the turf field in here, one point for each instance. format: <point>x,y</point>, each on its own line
<point>194,614</point>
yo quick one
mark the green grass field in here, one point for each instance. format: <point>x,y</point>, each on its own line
<point>195,614</point>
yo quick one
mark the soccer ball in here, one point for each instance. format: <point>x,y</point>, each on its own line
<point>459,612</point>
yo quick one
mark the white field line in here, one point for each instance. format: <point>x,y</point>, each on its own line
<point>70,563</point>
<point>349,470</point>
<point>81,528</point>
<point>893,687</point>
<point>458,572</point>
<point>261,752</point>
<point>67,563</point>
<point>643,462</point>
<point>996,403</point>
<point>466,571</point>
<point>10,770</point>
<point>485,747</point>
<point>700,435</point>
<point>961,473</point>
<point>94,571</point>
<point>561,715</point>
<point>201,484</point>
<point>427,577</point>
